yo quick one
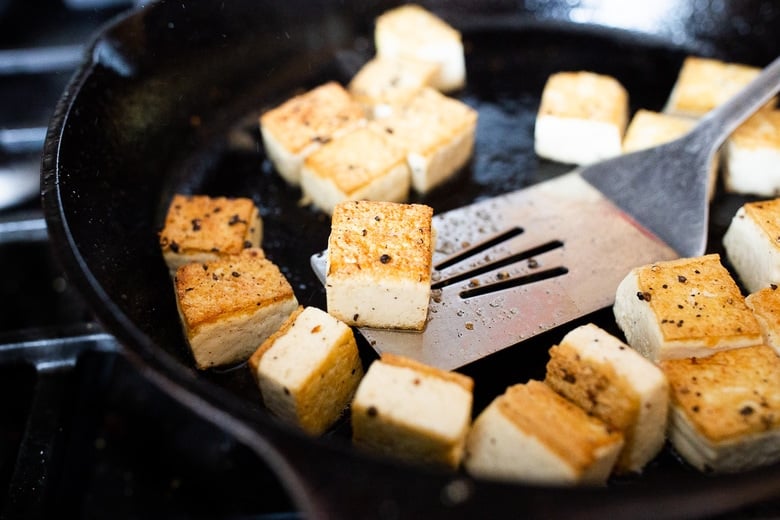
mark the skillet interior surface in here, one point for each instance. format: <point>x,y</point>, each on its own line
<point>169,104</point>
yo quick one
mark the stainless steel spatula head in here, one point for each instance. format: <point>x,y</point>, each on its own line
<point>511,267</point>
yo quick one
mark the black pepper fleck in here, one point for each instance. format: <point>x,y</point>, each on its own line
<point>235,219</point>
<point>385,259</point>
<point>644,296</point>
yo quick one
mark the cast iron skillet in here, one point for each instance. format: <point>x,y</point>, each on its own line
<point>167,101</point>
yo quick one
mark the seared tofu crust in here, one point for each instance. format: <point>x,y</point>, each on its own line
<point>379,264</point>
<point>765,305</point>
<point>199,227</point>
<point>684,307</point>
<point>236,285</point>
<point>312,117</point>
<point>383,240</point>
<point>705,83</point>
<point>695,298</point>
<point>726,409</point>
<point>364,164</point>
<point>230,306</point>
<point>383,82</point>
<point>613,382</point>
<point>729,394</point>
<point>532,434</point>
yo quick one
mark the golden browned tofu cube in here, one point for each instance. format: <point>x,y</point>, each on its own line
<point>308,370</point>
<point>683,308</point>
<point>705,83</point>
<point>446,144</point>
<point>362,165</point>
<point>751,244</point>
<point>752,156</point>
<point>412,31</point>
<point>413,412</point>
<point>613,382</point>
<point>379,264</point>
<point>726,409</point>
<point>384,82</point>
<point>230,306</point>
<point>199,228</point>
<point>299,126</point>
<point>531,434</point>
<point>582,117</point>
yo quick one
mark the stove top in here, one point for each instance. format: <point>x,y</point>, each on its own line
<point>83,433</point>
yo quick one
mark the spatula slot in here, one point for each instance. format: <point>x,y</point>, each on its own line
<point>480,247</point>
<point>511,283</point>
<point>496,263</point>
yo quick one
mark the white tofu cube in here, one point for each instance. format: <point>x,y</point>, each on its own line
<point>581,118</point>
<point>613,382</point>
<point>726,409</point>
<point>751,244</point>
<point>684,308</point>
<point>447,143</point>
<point>384,82</point>
<point>531,434</point>
<point>308,370</point>
<point>752,156</point>
<point>362,165</point>
<point>412,412</point>
<point>302,124</point>
<point>379,264</point>
<point>199,228</point>
<point>411,31</point>
<point>230,306</point>
<point>705,83</point>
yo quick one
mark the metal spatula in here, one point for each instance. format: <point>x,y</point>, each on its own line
<point>514,266</point>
